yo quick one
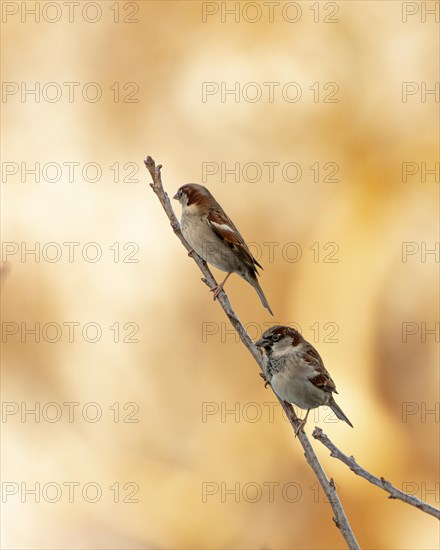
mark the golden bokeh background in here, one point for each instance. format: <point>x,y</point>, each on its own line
<point>176,419</point>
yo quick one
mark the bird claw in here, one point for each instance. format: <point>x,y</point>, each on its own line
<point>302,423</point>
<point>217,290</point>
<point>266,381</point>
<point>300,427</point>
<point>219,287</point>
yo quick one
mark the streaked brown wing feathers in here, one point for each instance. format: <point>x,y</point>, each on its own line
<point>322,379</point>
<point>228,233</point>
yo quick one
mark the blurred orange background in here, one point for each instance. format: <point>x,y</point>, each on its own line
<point>315,125</point>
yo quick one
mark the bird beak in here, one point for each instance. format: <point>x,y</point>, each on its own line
<point>176,197</point>
<point>261,343</point>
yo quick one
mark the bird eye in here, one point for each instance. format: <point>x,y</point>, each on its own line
<point>275,337</point>
<point>179,194</point>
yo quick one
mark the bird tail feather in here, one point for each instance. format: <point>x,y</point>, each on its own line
<point>338,411</point>
<point>262,296</point>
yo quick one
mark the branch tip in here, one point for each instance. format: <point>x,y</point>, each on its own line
<point>382,483</point>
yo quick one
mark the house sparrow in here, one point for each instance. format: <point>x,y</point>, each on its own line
<point>296,372</point>
<point>210,232</point>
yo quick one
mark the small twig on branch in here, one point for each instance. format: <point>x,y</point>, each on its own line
<point>394,492</point>
<point>328,486</point>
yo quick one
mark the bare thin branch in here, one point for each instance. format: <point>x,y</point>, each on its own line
<point>380,482</point>
<point>328,486</point>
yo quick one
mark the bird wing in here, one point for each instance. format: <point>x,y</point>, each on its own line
<point>320,376</point>
<point>223,227</point>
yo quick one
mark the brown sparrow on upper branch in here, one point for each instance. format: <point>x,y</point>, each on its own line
<point>296,372</point>
<point>211,233</point>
